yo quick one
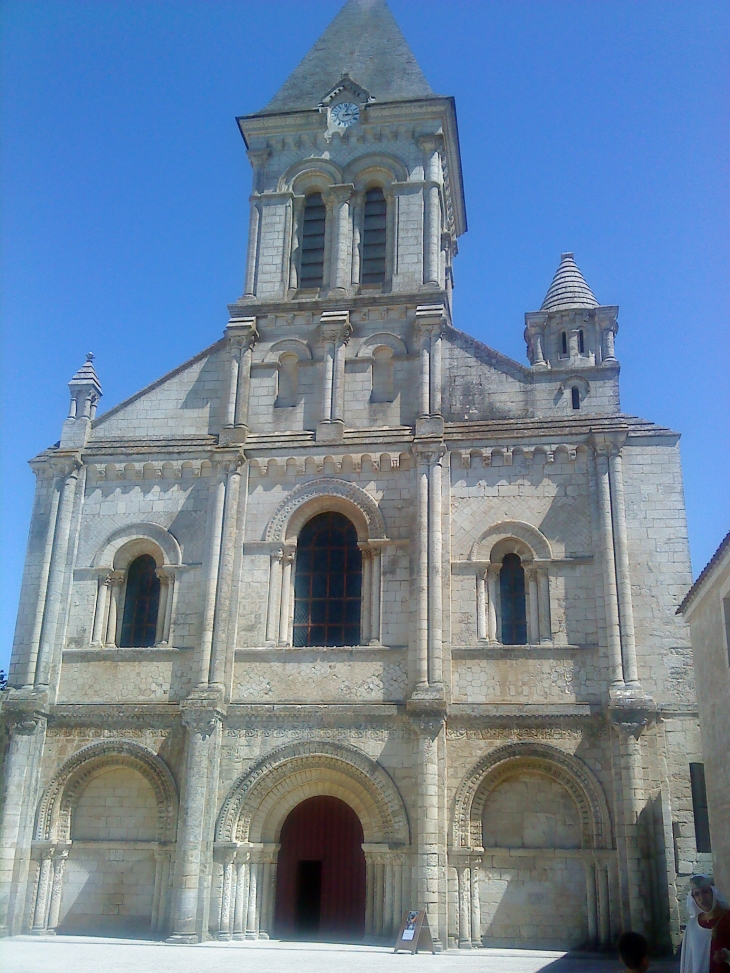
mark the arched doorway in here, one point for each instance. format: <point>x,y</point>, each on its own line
<point>320,888</point>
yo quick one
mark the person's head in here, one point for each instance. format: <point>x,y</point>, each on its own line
<point>702,892</point>
<point>634,951</point>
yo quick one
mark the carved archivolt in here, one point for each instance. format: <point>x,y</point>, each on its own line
<point>57,804</point>
<point>260,800</point>
<point>524,539</point>
<point>382,339</point>
<point>504,762</point>
<point>326,494</point>
<point>122,546</point>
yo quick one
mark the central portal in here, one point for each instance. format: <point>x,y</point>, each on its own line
<point>320,884</point>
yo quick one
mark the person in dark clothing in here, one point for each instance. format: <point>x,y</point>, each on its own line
<point>634,952</point>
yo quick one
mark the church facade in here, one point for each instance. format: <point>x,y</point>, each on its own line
<point>350,613</point>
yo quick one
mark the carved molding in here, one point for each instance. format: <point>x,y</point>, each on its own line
<point>276,530</point>
<point>294,763</point>
<point>503,762</point>
<point>57,803</point>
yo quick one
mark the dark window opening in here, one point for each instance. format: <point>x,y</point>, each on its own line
<point>699,807</point>
<point>575,397</point>
<point>563,343</point>
<point>311,269</point>
<point>328,583</point>
<point>373,237</point>
<point>141,603</point>
<point>581,342</point>
<point>512,600</point>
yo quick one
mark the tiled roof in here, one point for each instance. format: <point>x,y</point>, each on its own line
<point>714,560</point>
<point>364,42</point>
<point>568,289</point>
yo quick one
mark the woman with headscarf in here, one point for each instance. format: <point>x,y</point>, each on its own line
<point>707,935</point>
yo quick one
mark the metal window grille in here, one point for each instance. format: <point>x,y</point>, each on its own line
<point>699,807</point>
<point>141,603</point>
<point>327,583</point>
<point>374,237</point>
<point>311,268</point>
<point>512,601</point>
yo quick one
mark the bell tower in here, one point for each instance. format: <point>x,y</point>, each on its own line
<point>357,190</point>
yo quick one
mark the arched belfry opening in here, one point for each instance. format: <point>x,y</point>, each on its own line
<point>320,889</point>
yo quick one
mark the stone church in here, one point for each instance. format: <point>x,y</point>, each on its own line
<point>351,613</point>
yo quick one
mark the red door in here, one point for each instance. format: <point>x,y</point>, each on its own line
<point>320,880</point>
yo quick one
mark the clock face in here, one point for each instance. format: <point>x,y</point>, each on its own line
<point>345,114</point>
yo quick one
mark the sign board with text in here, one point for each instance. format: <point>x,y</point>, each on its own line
<point>414,933</point>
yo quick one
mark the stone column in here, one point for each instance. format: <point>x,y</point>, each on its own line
<point>356,209</point>
<point>421,580</point>
<point>59,864</point>
<point>435,382</point>
<point>254,223</point>
<point>545,620</point>
<point>57,488</point>
<point>98,630</point>
<point>492,606</point>
<point>367,566</point>
<point>476,908</point>
<point>481,606</point>
<point>216,508</point>
<point>628,724</point>
<point>241,907</point>
<point>273,610</point>
<point>604,905</point>
<point>375,597</point>
<point>532,598</point>
<point>369,896</point>
<point>424,396</point>
<point>57,572</point>
<point>592,902</point>
<point>224,928</point>
<point>435,571</point>
<point>202,719</point>
<point>234,362</point>
<point>115,581</point>
<point>298,203</point>
<point>431,145</point>
<point>338,378</point>
<point>247,338</point>
<point>252,915</point>
<point>623,571</point>
<point>613,636</point>
<point>464,879</point>
<point>336,200</point>
<point>609,353</point>
<point>287,562</point>
<point>43,892</point>
<point>165,594</point>
<point>329,368</point>
<point>388,898</point>
<point>21,784</point>
<point>429,730</point>
<point>228,545</point>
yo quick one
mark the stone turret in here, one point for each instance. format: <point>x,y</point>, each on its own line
<point>85,391</point>
<point>571,330</point>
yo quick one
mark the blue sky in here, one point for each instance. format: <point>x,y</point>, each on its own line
<point>594,126</point>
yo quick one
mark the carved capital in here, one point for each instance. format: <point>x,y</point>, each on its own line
<point>607,443</point>
<point>430,320</point>
<point>430,453</point>
<point>242,332</point>
<point>430,143</point>
<point>258,157</point>
<point>67,465</point>
<point>337,195</point>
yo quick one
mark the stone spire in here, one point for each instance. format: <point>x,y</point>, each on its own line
<point>85,391</point>
<point>365,43</point>
<point>568,289</point>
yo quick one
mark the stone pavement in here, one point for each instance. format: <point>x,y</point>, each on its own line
<point>26,954</point>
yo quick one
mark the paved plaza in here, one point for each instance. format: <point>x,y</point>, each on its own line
<point>26,954</point>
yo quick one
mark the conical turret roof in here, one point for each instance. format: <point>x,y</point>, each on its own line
<point>568,289</point>
<point>364,42</point>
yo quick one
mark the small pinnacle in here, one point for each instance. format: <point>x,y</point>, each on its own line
<point>567,256</point>
<point>89,355</point>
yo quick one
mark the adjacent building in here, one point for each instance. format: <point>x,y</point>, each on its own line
<point>351,613</point>
<point>707,609</point>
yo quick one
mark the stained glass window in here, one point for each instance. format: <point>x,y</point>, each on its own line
<point>141,603</point>
<point>328,583</point>
<point>512,601</point>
